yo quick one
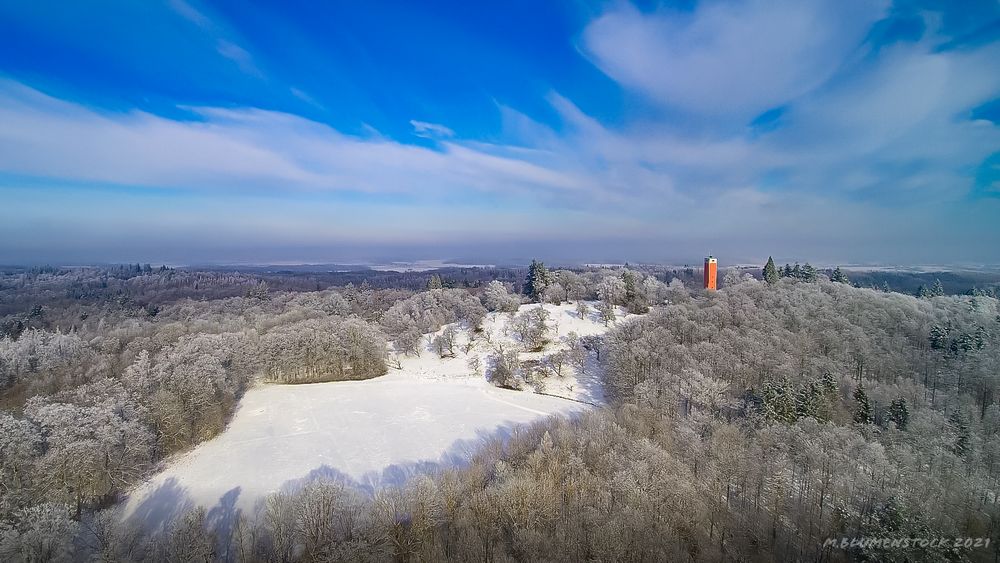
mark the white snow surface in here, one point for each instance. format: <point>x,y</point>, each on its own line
<point>429,413</point>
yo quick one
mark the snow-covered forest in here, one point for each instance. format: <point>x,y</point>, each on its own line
<point>750,423</point>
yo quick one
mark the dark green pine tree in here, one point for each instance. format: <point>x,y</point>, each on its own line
<point>839,276</point>
<point>962,430</point>
<point>885,287</point>
<point>807,400</point>
<point>538,279</point>
<point>863,413</point>
<point>809,273</point>
<point>937,290</point>
<point>938,337</point>
<point>628,277</point>
<point>899,413</point>
<point>778,402</point>
<point>829,383</point>
<point>981,335</point>
<point>770,271</point>
<point>435,282</point>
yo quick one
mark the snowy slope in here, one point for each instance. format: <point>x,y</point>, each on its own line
<point>427,414</point>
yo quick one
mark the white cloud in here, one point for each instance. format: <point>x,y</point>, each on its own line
<point>238,55</point>
<point>242,148</point>
<point>305,97</point>
<point>902,124</point>
<point>430,130</point>
<point>730,58</point>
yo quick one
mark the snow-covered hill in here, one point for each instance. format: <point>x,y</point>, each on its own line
<point>428,412</point>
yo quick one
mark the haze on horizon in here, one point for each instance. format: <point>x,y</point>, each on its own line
<point>191,132</point>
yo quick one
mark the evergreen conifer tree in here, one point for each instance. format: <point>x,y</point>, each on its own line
<point>899,413</point>
<point>829,383</point>
<point>937,290</point>
<point>770,272</point>
<point>809,272</point>
<point>807,400</point>
<point>962,429</point>
<point>863,414</point>
<point>778,403</point>
<point>538,279</point>
<point>628,277</point>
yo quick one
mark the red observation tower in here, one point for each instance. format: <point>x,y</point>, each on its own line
<point>711,273</point>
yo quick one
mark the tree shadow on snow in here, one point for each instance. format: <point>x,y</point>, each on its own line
<point>170,501</point>
<point>456,456</point>
<point>461,452</point>
<point>223,515</point>
<point>159,509</point>
<point>591,387</point>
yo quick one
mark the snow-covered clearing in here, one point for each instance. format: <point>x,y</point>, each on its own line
<point>425,414</point>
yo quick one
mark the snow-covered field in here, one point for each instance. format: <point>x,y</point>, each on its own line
<point>425,414</point>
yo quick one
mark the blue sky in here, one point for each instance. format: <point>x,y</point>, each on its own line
<point>184,132</point>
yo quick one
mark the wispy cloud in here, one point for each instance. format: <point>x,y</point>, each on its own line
<point>430,130</point>
<point>305,97</point>
<point>242,148</point>
<point>730,58</point>
<point>225,42</point>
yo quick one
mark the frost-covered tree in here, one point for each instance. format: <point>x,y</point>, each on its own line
<point>607,312</point>
<point>259,291</point>
<point>188,540</point>
<point>576,353</point>
<point>96,441</point>
<point>731,277</point>
<point>20,443</point>
<point>504,369</point>
<point>43,532</point>
<point>653,291</point>
<point>612,290</point>
<point>444,343</point>
<point>138,377</point>
<point>328,349</point>
<point>499,298</point>
<point>574,284</point>
<point>428,311</point>
<point>554,293</point>
<point>531,328</point>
